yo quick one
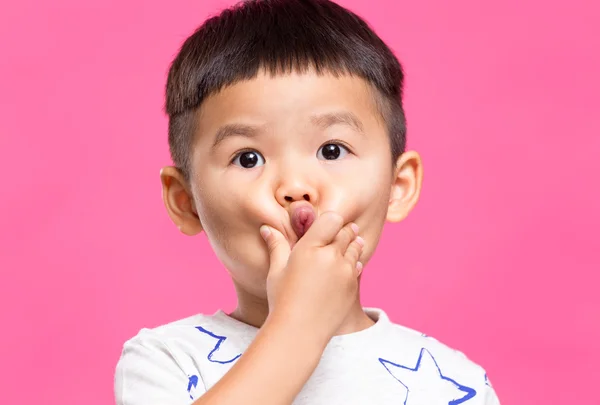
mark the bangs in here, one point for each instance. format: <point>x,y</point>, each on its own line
<point>279,37</point>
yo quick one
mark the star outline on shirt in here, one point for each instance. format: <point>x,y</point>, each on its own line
<point>220,340</point>
<point>469,392</point>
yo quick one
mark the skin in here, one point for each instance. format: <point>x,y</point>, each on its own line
<point>285,284</point>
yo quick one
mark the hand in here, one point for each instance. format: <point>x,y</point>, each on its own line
<point>313,286</point>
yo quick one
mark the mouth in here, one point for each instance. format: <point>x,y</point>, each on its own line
<point>302,218</point>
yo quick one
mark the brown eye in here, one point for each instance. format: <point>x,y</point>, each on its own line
<point>249,159</point>
<point>332,151</point>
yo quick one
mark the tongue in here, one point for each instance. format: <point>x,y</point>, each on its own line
<point>302,219</point>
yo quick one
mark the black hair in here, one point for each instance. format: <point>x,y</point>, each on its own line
<point>279,37</point>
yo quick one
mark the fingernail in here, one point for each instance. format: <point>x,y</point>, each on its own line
<point>265,232</point>
<point>359,267</point>
<point>360,241</point>
<point>354,228</point>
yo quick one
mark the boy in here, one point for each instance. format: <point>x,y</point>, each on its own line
<point>287,132</point>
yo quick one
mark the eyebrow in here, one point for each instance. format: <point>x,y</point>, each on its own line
<point>323,121</point>
<point>231,130</point>
<point>347,118</point>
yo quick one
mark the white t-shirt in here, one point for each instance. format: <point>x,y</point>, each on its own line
<point>385,364</point>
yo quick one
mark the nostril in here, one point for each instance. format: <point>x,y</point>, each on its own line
<point>306,197</point>
<point>288,198</point>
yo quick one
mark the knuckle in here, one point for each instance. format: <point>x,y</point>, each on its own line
<point>349,233</point>
<point>322,255</point>
<point>349,267</point>
<point>273,244</point>
<point>353,248</point>
<point>331,255</point>
<point>353,256</point>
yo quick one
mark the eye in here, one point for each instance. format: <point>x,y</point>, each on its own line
<point>248,159</point>
<point>332,151</point>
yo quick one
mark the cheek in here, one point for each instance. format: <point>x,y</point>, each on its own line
<point>363,200</point>
<point>231,217</point>
<point>356,196</point>
<point>231,225</point>
<point>231,205</point>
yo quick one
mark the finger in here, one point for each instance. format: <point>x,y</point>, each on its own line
<point>278,247</point>
<point>344,237</point>
<point>324,229</point>
<point>359,268</point>
<point>354,251</point>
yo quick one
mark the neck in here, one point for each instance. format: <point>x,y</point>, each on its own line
<point>253,311</point>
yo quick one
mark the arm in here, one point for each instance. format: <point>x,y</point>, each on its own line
<point>272,371</point>
<point>310,290</point>
<point>149,373</point>
<point>309,296</point>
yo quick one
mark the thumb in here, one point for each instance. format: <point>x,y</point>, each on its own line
<point>279,248</point>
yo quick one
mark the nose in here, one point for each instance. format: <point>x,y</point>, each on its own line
<point>295,190</point>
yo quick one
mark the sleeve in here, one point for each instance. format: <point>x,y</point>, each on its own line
<point>490,394</point>
<point>149,374</point>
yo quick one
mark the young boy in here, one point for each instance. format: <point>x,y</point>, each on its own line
<point>287,132</point>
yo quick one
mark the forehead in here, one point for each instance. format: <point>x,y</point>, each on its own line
<point>291,100</point>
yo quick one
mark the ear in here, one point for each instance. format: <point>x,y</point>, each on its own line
<point>406,186</point>
<point>179,201</point>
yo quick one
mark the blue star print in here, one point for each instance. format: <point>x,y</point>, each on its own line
<point>425,383</point>
<point>192,385</point>
<point>220,340</point>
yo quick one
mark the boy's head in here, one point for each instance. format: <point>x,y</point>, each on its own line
<point>275,104</point>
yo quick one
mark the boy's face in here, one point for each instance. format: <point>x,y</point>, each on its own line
<point>269,145</point>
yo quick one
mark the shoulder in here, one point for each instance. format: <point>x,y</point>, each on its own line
<point>171,330</point>
<point>424,342</point>
<point>161,335</point>
<point>402,339</point>
<point>189,337</point>
<point>168,361</point>
<point>150,368</point>
<point>407,353</point>
<point>166,337</point>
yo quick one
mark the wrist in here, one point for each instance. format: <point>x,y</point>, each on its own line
<point>298,329</point>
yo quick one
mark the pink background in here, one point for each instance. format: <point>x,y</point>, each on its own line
<point>500,259</point>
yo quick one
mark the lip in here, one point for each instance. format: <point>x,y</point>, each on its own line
<point>288,233</point>
<point>286,224</point>
<point>296,211</point>
<point>299,204</point>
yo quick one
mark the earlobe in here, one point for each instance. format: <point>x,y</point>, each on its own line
<point>179,201</point>
<point>406,186</point>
